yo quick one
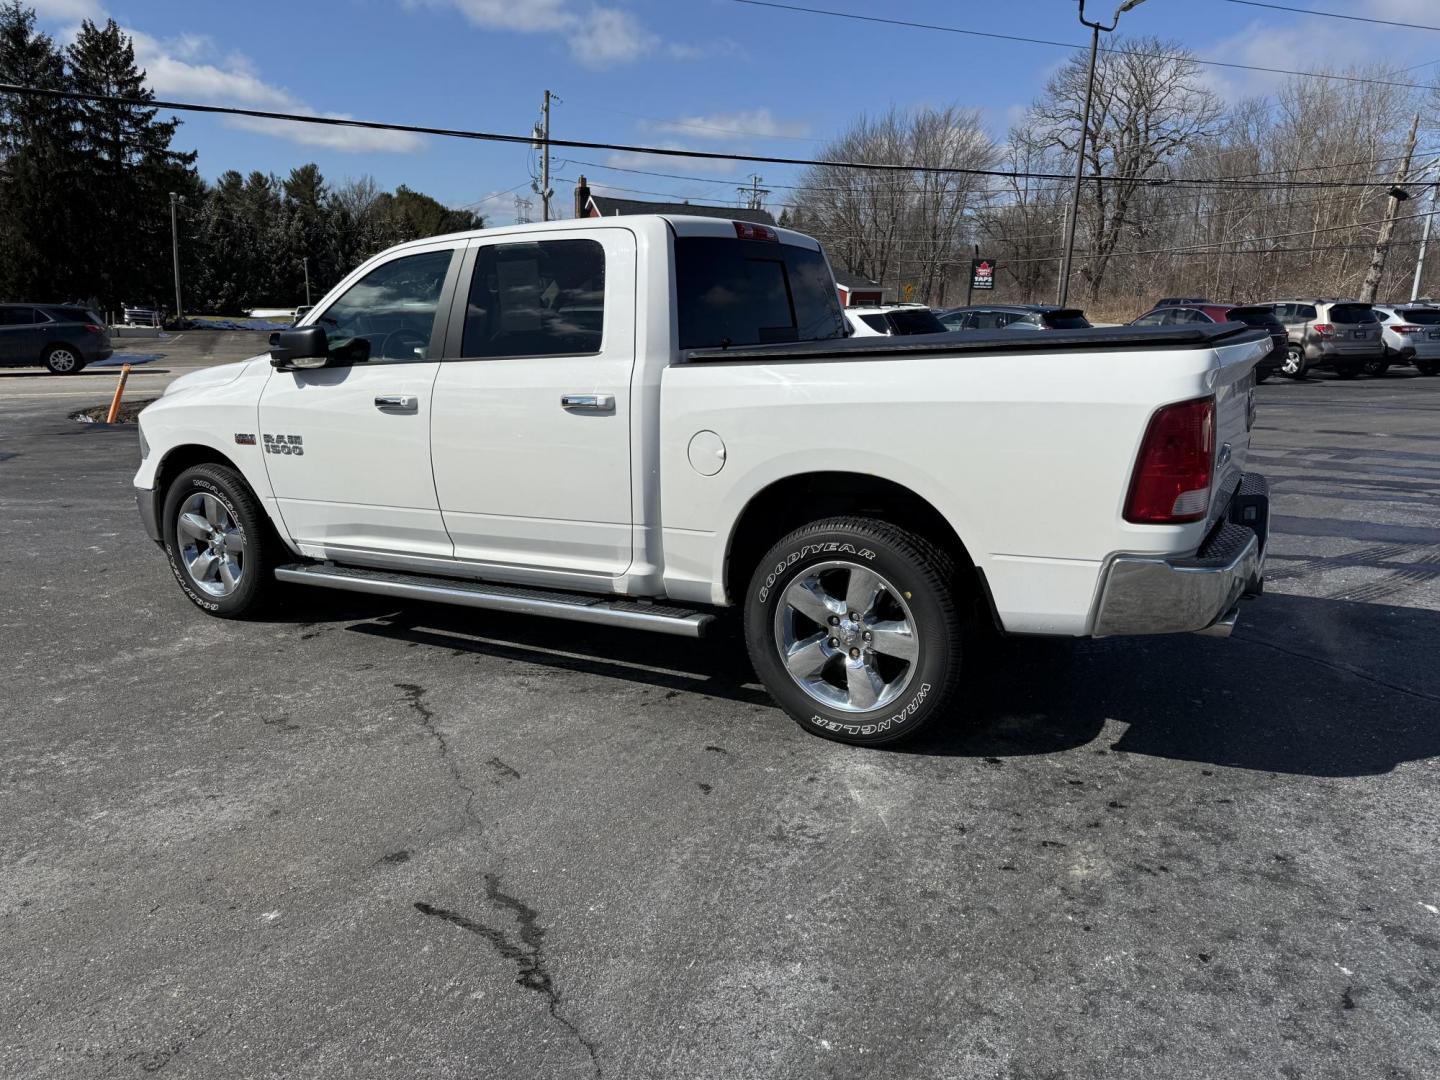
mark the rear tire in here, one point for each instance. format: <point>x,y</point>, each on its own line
<point>219,543</point>
<point>63,360</point>
<point>1375,368</point>
<point>1294,365</point>
<point>871,619</point>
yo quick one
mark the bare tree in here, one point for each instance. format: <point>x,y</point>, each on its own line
<point>899,227</point>
<point>1150,107</point>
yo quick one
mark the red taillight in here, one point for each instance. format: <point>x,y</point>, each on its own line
<point>1172,474</point>
<point>1324,329</point>
<point>1401,329</point>
<point>91,328</point>
<point>747,230</point>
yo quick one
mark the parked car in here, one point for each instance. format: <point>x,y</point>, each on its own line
<point>1181,315</point>
<point>135,315</point>
<point>1188,301</point>
<point>62,337</point>
<point>715,441</point>
<point>893,319</point>
<point>1014,317</point>
<point>1412,335</point>
<point>1343,335</point>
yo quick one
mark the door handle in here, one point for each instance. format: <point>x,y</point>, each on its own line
<point>397,403</point>
<point>588,402</point>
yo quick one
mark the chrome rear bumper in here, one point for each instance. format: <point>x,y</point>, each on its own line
<point>1158,594</point>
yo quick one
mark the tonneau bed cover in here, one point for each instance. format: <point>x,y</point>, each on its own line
<point>1095,338</point>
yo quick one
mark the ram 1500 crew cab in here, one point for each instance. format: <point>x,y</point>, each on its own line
<point>644,421</point>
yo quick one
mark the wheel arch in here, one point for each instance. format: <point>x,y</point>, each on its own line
<point>795,500</point>
<point>175,461</point>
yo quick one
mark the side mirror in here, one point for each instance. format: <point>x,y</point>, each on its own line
<point>300,347</point>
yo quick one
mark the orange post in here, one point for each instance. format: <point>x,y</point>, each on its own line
<point>119,394</point>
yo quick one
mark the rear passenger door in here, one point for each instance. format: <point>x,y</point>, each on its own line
<point>530,426</point>
<point>19,336</point>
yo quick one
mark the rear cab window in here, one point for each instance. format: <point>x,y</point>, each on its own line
<point>876,322</point>
<point>733,291</point>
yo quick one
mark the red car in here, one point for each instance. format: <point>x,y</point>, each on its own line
<point>1207,312</point>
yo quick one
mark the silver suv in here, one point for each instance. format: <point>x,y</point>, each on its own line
<point>1412,335</point>
<point>1343,335</point>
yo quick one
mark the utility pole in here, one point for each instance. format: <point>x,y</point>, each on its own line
<point>1062,293</point>
<point>1425,236</point>
<point>305,263</point>
<point>542,131</point>
<point>175,201</point>
<point>754,193</point>
<point>1387,227</point>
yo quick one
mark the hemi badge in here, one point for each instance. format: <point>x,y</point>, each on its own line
<point>244,440</point>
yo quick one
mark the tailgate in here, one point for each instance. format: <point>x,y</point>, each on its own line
<point>1234,416</point>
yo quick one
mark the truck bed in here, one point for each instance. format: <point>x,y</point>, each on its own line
<point>1089,339</point>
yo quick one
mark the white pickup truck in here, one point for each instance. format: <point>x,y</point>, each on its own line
<point>643,421</point>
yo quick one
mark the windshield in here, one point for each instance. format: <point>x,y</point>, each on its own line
<point>1066,319</point>
<point>1254,316</point>
<point>753,292</point>
<point>916,321</point>
<point>1419,316</point>
<point>1353,313</point>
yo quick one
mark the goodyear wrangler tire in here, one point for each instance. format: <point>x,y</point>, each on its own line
<point>856,629</point>
<point>217,542</point>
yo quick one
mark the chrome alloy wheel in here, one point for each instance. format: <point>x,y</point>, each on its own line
<point>1294,361</point>
<point>212,544</point>
<point>846,636</point>
<point>62,360</point>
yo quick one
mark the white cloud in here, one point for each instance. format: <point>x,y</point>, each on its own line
<point>189,67</point>
<point>729,127</point>
<point>597,36</point>
<point>627,159</point>
<point>67,9</point>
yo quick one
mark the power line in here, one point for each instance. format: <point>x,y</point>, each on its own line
<point>1073,45</point>
<point>1333,15</point>
<point>662,151</point>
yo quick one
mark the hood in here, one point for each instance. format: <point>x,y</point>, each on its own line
<point>211,376</point>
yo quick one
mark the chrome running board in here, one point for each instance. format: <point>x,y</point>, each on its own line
<point>577,607</point>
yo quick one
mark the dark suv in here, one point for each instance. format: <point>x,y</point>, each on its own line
<point>1207,312</point>
<point>1344,335</point>
<point>63,337</point>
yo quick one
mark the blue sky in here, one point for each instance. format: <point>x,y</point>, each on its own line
<point>708,74</point>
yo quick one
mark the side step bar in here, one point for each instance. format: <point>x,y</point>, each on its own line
<point>577,607</point>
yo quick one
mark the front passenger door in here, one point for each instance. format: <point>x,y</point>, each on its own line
<point>347,447</point>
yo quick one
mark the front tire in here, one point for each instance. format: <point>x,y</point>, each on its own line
<point>218,543</point>
<point>856,629</point>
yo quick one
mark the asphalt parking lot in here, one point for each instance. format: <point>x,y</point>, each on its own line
<point>364,840</point>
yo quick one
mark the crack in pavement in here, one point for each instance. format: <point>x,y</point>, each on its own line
<point>528,955</point>
<point>414,697</point>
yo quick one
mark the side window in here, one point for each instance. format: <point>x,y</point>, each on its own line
<point>876,322</point>
<point>1303,312</point>
<point>1190,315</point>
<point>986,320</point>
<point>389,314</point>
<point>17,316</point>
<point>1155,318</point>
<point>544,298</point>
